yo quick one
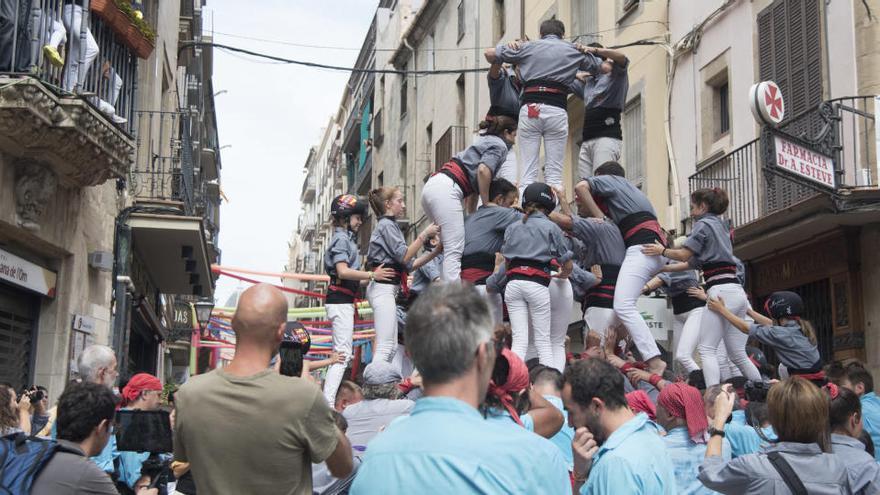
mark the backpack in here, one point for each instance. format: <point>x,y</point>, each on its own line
<point>22,458</point>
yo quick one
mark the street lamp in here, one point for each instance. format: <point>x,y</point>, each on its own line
<point>204,307</point>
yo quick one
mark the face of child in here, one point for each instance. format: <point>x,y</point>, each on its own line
<point>395,206</point>
<point>698,209</point>
<point>355,222</point>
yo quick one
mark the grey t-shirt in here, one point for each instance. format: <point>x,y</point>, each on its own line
<point>622,198</point>
<point>426,274</point>
<point>710,242</point>
<point>549,58</point>
<point>69,473</point>
<point>367,417</point>
<point>581,282</point>
<point>604,90</point>
<point>387,244</point>
<point>342,248</point>
<point>677,283</point>
<point>503,93</point>
<point>538,239</point>
<point>489,150</point>
<point>792,347</point>
<point>484,230</point>
<point>603,244</point>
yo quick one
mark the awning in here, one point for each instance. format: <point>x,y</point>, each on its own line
<point>174,251</point>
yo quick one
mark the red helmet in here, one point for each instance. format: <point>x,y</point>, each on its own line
<point>346,205</point>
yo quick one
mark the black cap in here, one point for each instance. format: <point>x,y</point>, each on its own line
<point>784,304</point>
<point>540,194</point>
<point>346,205</point>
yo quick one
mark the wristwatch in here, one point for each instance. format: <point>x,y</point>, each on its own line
<point>714,431</point>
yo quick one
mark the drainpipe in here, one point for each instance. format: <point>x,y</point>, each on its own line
<point>414,131</point>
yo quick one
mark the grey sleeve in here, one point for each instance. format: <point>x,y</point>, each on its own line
<point>732,476</point>
<point>591,63</point>
<point>563,249</point>
<point>583,228</point>
<point>696,242</point>
<point>493,157</point>
<point>431,270</point>
<point>765,334</point>
<point>619,70</point>
<point>497,281</point>
<point>583,279</point>
<point>665,277</point>
<point>505,54</point>
<point>600,185</point>
<point>338,250</point>
<point>577,88</point>
<point>394,241</point>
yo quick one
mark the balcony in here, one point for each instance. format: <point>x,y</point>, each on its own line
<point>163,170</point>
<point>451,142</point>
<point>769,199</point>
<point>309,189</point>
<point>75,115</point>
<point>307,231</point>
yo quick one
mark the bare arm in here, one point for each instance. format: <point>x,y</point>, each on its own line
<point>657,249</point>
<point>548,420</point>
<point>652,285</point>
<point>484,178</point>
<point>563,220</point>
<point>582,189</point>
<point>413,249</point>
<point>759,318</point>
<point>425,258</point>
<point>492,59</point>
<point>381,273</point>
<point>676,267</point>
<point>495,68</point>
<point>339,463</point>
<point>617,57</point>
<point>723,407</point>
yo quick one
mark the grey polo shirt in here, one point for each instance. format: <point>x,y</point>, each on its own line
<point>603,244</point>
<point>862,469</point>
<point>622,198</point>
<point>387,244</point>
<point>604,90</point>
<point>503,93</point>
<point>69,473</point>
<point>489,150</point>
<point>342,248</point>
<point>792,347</point>
<point>549,58</point>
<point>678,283</point>
<point>538,239</point>
<point>484,230</point>
<point>710,242</point>
<point>367,417</point>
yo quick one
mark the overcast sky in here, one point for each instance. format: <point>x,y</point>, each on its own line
<point>271,114</point>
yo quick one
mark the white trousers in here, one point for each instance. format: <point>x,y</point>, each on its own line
<point>528,303</point>
<point>551,126</point>
<point>599,320</point>
<point>77,66</point>
<point>595,152</point>
<point>636,270</point>
<point>402,362</point>
<point>686,328</point>
<point>382,300</point>
<point>509,170</point>
<point>714,329</point>
<point>341,318</point>
<point>496,303</point>
<point>561,301</point>
<point>441,200</point>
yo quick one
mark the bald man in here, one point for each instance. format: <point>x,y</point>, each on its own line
<point>246,428</point>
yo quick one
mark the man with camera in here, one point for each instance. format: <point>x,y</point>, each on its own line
<point>85,425</point>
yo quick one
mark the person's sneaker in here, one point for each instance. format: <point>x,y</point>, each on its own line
<point>118,120</point>
<point>54,57</point>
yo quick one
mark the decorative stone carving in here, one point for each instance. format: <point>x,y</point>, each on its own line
<point>74,139</point>
<point>34,186</point>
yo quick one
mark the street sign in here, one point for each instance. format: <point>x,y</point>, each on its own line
<point>803,161</point>
<point>766,103</point>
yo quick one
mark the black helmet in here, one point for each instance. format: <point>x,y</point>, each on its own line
<point>540,194</point>
<point>346,205</point>
<point>784,304</point>
<point>296,336</point>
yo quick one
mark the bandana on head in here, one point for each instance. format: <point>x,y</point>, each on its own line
<point>639,402</point>
<point>683,401</point>
<point>517,380</point>
<point>140,382</point>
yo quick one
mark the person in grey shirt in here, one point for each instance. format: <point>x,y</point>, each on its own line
<point>504,89</point>
<point>799,414</point>
<point>85,424</point>
<point>380,406</point>
<point>547,67</point>
<point>604,95</point>
<point>846,428</point>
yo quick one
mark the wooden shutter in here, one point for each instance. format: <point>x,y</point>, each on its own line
<point>790,52</point>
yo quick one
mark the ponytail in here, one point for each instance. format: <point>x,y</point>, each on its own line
<point>530,208</point>
<point>379,196</point>
<point>497,125</point>
<point>808,331</point>
<point>715,199</point>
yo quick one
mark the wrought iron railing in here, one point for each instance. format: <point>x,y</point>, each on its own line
<point>73,51</point>
<point>163,167</point>
<point>843,128</point>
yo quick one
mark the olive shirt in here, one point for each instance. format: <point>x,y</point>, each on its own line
<point>246,434</point>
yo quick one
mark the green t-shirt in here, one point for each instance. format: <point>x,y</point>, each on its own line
<point>254,434</point>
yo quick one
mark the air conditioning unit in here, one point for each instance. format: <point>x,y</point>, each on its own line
<point>101,260</point>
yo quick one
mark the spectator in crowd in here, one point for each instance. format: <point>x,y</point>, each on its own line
<point>142,393</point>
<point>85,425</point>
<point>799,414</point>
<point>640,402</point>
<point>268,440</point>
<point>39,409</point>
<point>511,402</point>
<point>547,382</point>
<point>747,433</point>
<point>445,445</point>
<point>323,482</point>
<point>681,413</point>
<point>846,429</point>
<point>349,393</point>
<point>12,410</point>
<point>382,403</point>
<point>615,450</point>
<point>184,482</point>
<point>856,378</point>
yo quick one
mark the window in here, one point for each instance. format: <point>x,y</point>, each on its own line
<point>429,141</point>
<point>403,97</point>
<point>461,20</point>
<point>403,158</point>
<point>625,8</point>
<point>499,19</point>
<point>723,100</point>
<point>378,129</point>
<point>633,142</point>
<point>790,54</point>
<point>584,20</point>
<point>380,179</point>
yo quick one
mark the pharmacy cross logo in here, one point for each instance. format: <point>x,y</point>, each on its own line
<point>766,103</point>
<point>773,101</point>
